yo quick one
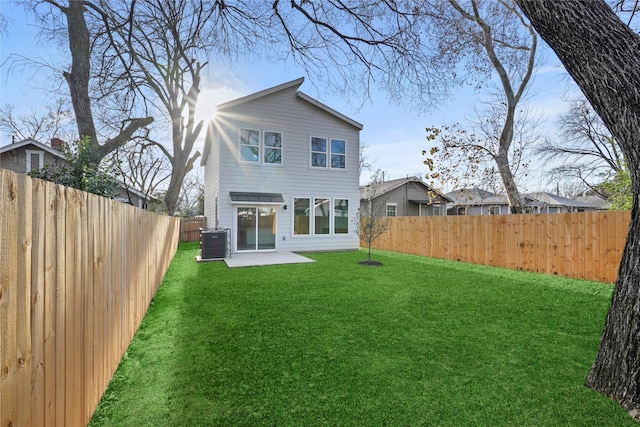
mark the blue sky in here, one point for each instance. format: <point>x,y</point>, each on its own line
<point>394,136</point>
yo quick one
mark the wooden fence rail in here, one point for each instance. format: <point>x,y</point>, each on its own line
<point>585,245</point>
<point>77,274</point>
<point>190,228</point>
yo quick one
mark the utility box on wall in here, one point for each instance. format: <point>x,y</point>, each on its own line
<point>213,244</point>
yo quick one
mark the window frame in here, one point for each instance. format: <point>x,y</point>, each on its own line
<point>325,153</point>
<point>343,155</point>
<point>312,225</point>
<point>262,147</point>
<point>395,209</point>
<point>241,146</point>
<point>263,141</point>
<point>309,217</point>
<point>328,153</point>
<point>28,165</point>
<point>333,216</point>
<point>317,201</point>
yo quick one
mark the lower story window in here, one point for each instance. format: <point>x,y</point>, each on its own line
<point>301,216</point>
<point>341,216</point>
<point>321,216</point>
<point>392,209</point>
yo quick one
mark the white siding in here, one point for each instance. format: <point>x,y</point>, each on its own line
<point>298,120</point>
<point>212,183</point>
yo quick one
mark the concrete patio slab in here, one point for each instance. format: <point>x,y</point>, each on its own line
<point>265,258</point>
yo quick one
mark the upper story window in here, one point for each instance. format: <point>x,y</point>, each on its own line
<point>318,152</point>
<point>327,153</point>
<point>255,149</point>
<point>272,148</point>
<point>338,153</point>
<point>249,145</point>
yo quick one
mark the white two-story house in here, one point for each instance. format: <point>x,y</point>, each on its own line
<point>281,172</point>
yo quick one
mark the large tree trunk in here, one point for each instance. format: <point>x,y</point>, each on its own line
<point>510,187</point>
<point>602,54</point>
<point>78,77</point>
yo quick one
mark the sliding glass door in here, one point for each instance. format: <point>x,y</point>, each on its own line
<point>256,229</point>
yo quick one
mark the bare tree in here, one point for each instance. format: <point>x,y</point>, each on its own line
<point>490,39</point>
<point>157,51</point>
<point>55,121</point>
<point>140,167</point>
<point>78,76</point>
<point>461,158</point>
<point>600,52</point>
<point>588,151</point>
<point>372,221</point>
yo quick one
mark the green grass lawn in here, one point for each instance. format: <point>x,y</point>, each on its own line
<point>415,342</point>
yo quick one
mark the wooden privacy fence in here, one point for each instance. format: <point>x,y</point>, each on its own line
<point>77,274</point>
<point>190,228</point>
<point>585,245</point>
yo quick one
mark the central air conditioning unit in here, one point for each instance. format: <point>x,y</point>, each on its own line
<point>213,244</point>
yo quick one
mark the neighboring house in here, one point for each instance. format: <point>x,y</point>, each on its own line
<point>474,201</point>
<point>595,200</point>
<point>29,154</point>
<point>406,197</point>
<point>551,203</point>
<point>281,172</point>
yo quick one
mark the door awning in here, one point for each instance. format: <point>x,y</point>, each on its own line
<point>256,198</point>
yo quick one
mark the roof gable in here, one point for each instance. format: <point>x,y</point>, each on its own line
<point>292,84</point>
<point>26,143</point>
<point>388,186</point>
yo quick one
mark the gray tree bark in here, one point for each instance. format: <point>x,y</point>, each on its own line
<point>78,79</point>
<point>602,54</point>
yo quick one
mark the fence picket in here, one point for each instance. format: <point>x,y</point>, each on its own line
<point>8,298</point>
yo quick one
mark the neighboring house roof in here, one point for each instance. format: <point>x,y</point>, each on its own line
<point>387,186</point>
<point>26,142</point>
<point>594,200</point>
<point>476,197</point>
<point>295,84</point>
<point>138,193</point>
<point>549,199</point>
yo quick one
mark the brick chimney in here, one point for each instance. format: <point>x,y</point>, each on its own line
<point>57,143</point>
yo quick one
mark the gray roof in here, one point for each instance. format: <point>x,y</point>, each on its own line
<point>387,186</point>
<point>549,199</point>
<point>478,197</point>
<point>594,200</point>
<point>27,142</point>
<point>238,196</point>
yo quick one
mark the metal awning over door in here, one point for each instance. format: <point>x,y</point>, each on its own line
<point>256,198</point>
